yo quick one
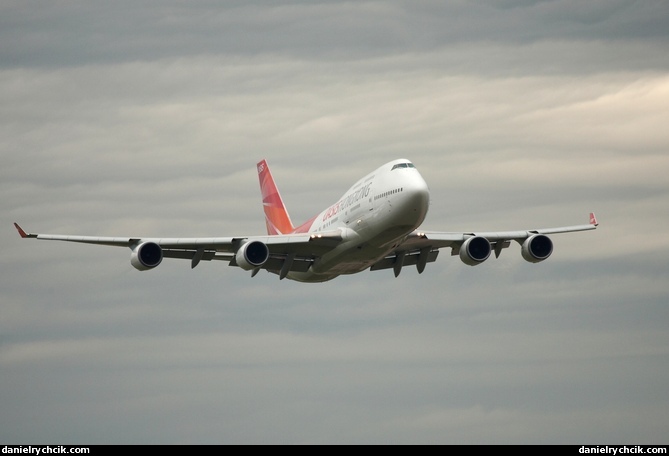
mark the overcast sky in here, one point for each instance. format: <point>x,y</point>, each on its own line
<point>130,118</point>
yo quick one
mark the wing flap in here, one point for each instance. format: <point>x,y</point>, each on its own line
<point>276,264</point>
<point>409,259</point>
<point>207,255</point>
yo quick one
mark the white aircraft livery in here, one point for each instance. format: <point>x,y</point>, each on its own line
<point>374,225</point>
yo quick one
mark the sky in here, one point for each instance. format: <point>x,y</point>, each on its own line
<point>147,118</point>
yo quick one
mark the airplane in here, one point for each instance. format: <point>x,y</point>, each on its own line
<point>374,226</point>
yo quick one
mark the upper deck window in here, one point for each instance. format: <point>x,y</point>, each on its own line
<point>402,165</point>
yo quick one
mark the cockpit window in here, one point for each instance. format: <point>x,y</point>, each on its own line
<point>402,165</point>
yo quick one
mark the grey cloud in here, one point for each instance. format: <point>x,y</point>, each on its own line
<point>126,31</point>
<point>148,119</point>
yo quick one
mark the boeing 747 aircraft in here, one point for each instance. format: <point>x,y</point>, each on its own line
<point>374,225</point>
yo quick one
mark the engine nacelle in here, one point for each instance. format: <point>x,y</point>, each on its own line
<point>475,250</point>
<point>537,248</point>
<point>146,255</point>
<point>252,255</point>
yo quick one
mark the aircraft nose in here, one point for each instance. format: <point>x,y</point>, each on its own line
<point>417,196</point>
<point>422,194</point>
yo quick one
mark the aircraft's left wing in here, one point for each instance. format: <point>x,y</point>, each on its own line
<point>278,253</point>
<point>422,247</point>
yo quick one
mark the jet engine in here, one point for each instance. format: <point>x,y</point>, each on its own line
<point>252,255</point>
<point>146,255</point>
<point>475,250</point>
<point>537,248</point>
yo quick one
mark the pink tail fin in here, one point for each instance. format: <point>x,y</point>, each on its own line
<point>276,215</point>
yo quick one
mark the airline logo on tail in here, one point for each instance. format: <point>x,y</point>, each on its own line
<point>276,215</point>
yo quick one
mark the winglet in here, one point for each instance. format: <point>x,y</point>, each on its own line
<point>22,233</point>
<point>593,219</point>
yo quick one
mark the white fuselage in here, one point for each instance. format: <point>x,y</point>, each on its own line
<point>373,216</point>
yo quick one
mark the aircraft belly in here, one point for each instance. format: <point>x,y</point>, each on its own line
<point>310,277</point>
<point>349,259</point>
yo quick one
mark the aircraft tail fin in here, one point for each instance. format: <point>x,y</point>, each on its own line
<point>276,215</point>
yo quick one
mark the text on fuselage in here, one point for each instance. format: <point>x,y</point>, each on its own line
<point>346,201</point>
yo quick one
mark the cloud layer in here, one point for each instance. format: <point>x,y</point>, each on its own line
<point>126,119</point>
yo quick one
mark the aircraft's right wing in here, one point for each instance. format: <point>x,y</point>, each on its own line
<point>278,253</point>
<point>422,247</point>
